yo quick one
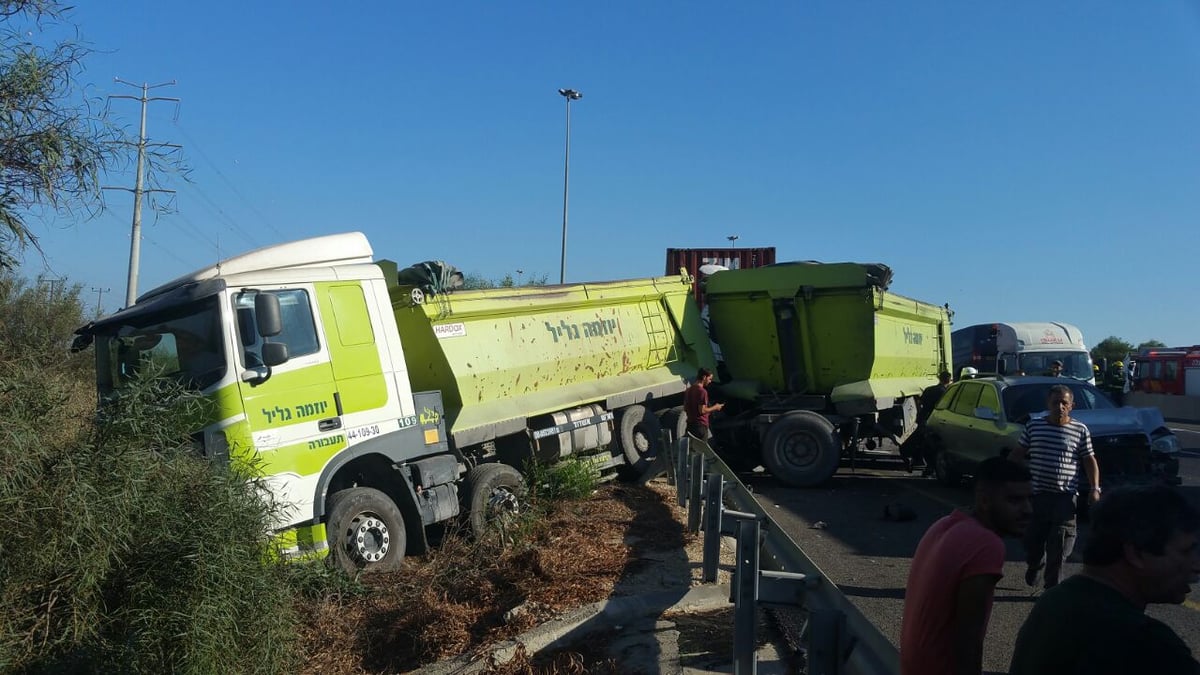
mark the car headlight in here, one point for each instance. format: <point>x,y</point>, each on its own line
<point>1166,444</point>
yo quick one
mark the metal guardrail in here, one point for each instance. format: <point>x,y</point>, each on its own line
<point>771,571</point>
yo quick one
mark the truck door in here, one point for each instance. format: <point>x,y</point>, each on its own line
<point>294,414</point>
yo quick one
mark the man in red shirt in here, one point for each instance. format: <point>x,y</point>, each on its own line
<point>948,600</point>
<point>695,405</point>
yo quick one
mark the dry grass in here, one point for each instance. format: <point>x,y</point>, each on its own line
<point>453,601</point>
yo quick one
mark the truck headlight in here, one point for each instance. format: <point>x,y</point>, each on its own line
<point>1168,444</point>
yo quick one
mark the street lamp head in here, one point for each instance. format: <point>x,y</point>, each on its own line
<point>571,94</point>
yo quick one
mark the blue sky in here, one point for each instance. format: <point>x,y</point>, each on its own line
<point>1022,161</point>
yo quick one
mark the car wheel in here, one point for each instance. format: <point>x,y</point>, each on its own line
<point>944,469</point>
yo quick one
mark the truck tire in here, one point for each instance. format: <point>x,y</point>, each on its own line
<point>801,449</point>
<point>674,420</point>
<point>493,493</point>
<point>365,531</point>
<point>639,436</point>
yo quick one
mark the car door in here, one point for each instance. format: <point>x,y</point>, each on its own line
<point>945,426</point>
<point>995,434</point>
<point>966,434</point>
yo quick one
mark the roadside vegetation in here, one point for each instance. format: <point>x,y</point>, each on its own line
<point>124,550</point>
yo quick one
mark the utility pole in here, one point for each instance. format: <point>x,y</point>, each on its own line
<point>99,294</point>
<point>570,95</point>
<point>135,244</point>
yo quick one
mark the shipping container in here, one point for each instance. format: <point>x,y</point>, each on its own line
<point>692,259</point>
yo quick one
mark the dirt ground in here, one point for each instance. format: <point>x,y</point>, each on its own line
<point>462,598</point>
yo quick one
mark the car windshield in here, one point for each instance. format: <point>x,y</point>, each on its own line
<point>183,343</point>
<point>1023,400</point>
<point>1075,364</point>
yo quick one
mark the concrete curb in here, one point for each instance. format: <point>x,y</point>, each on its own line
<point>578,623</point>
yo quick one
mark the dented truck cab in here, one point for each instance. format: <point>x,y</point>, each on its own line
<point>308,387</point>
<point>371,408</point>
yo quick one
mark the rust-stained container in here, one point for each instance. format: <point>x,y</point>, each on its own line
<point>502,356</point>
<point>692,259</point>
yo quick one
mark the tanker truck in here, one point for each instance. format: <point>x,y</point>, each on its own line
<point>373,409</point>
<point>821,363</point>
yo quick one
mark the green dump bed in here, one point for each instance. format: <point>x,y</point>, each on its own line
<point>828,329</point>
<point>502,356</point>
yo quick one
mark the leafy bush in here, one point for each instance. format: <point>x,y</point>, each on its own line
<point>122,549</point>
<point>571,479</point>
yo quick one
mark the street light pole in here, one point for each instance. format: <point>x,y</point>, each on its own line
<point>733,240</point>
<point>570,95</point>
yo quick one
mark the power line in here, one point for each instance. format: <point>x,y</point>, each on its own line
<point>249,204</point>
<point>220,215</point>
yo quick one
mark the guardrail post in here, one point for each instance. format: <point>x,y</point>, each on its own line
<point>681,470</point>
<point>713,509</point>
<point>695,492</point>
<point>745,600</point>
<point>826,641</point>
<point>667,459</point>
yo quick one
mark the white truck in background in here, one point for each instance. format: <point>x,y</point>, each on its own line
<point>1027,348</point>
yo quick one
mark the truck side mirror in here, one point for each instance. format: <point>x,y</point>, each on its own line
<point>274,353</point>
<point>268,315</point>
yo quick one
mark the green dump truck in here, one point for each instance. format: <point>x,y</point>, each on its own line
<point>374,409</point>
<point>820,362</point>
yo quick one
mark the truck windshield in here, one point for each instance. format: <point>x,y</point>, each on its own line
<point>1075,364</point>
<point>183,343</point>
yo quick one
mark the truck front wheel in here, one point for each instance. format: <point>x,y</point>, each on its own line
<point>493,493</point>
<point>801,449</point>
<point>365,530</point>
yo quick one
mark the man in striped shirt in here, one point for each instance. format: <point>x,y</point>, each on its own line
<point>1055,446</point>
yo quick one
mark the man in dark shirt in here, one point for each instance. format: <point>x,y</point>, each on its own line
<point>1142,549</point>
<point>695,405</point>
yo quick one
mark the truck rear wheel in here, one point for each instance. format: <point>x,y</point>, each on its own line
<point>640,436</point>
<point>675,421</point>
<point>365,530</point>
<point>493,494</point>
<point>801,449</point>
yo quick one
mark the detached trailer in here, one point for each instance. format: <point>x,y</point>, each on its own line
<point>822,362</point>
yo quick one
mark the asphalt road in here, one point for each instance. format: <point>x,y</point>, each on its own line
<point>868,557</point>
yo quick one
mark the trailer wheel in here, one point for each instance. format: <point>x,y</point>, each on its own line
<point>365,530</point>
<point>493,493</point>
<point>640,436</point>
<point>801,449</point>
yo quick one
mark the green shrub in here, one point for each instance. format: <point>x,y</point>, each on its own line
<point>570,479</point>
<point>126,552</point>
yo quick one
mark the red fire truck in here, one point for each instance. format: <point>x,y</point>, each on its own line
<point>1174,370</point>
